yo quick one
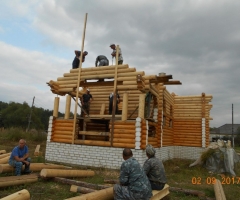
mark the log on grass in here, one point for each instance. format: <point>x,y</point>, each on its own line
<point>4,160</point>
<point>105,194</point>
<point>82,190</point>
<point>34,167</point>
<point>20,195</point>
<point>2,151</point>
<point>80,183</point>
<point>218,189</point>
<point>18,180</point>
<point>66,173</point>
<point>4,155</point>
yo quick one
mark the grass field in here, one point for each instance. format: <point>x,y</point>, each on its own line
<point>178,175</point>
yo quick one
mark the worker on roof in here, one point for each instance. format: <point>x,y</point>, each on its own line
<point>120,58</point>
<point>134,184</point>
<point>102,60</point>
<point>76,60</point>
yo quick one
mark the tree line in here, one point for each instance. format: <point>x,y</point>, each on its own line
<point>14,114</point>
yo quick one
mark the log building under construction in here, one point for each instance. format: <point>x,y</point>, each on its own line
<point>177,126</point>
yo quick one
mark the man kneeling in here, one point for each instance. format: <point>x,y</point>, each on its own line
<point>134,184</point>
<point>154,169</point>
<point>19,157</point>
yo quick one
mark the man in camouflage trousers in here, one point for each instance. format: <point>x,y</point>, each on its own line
<point>154,169</point>
<point>134,184</point>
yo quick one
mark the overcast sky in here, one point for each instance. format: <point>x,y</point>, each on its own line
<point>198,42</point>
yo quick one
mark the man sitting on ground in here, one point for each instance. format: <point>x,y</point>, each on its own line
<point>20,157</point>
<point>134,184</point>
<point>154,169</point>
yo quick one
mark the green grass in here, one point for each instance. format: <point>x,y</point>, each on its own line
<point>178,172</point>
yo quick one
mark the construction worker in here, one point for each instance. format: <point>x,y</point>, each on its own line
<point>111,103</point>
<point>76,60</point>
<point>120,58</point>
<point>102,60</point>
<point>86,100</point>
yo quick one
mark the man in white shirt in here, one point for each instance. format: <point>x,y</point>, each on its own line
<point>120,58</point>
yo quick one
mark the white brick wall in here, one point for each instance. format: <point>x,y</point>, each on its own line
<point>111,157</point>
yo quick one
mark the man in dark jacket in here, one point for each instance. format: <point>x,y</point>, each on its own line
<point>86,100</point>
<point>76,60</point>
<point>134,184</point>
<point>102,60</point>
<point>154,169</point>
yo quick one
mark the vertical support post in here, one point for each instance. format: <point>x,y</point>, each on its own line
<point>67,107</point>
<point>78,83</point>
<point>141,106</point>
<point>203,121</point>
<point>115,96</point>
<point>56,106</point>
<point>125,106</point>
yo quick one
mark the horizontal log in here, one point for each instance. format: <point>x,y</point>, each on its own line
<point>123,136</point>
<point>66,173</point>
<point>62,128</point>
<point>4,168</point>
<point>62,132</point>
<point>127,140</point>
<point>93,143</point>
<point>64,120</point>
<point>18,180</point>
<point>4,160</point>
<point>124,145</point>
<point>80,183</point>
<point>94,133</point>
<point>82,190</point>
<point>99,68</point>
<point>4,155</point>
<point>2,151</point>
<point>57,136</point>
<point>104,194</point>
<point>20,195</point>
<point>62,140</point>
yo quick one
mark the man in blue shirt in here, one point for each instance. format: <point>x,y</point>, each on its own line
<point>19,157</point>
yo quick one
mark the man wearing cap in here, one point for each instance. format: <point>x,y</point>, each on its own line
<point>75,63</point>
<point>154,169</point>
<point>134,184</point>
<point>120,58</point>
<point>86,100</point>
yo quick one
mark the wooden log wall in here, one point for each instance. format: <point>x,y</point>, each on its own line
<point>124,134</point>
<point>191,120</point>
<point>62,130</point>
<point>168,103</point>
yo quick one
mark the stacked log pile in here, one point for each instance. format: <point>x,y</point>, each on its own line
<point>191,120</point>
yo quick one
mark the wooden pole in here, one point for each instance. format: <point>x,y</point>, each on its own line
<point>141,106</point>
<point>56,106</point>
<point>115,95</point>
<point>66,173</point>
<point>218,189</point>
<point>79,75</point>
<point>20,195</point>
<point>68,107</point>
<point>125,106</point>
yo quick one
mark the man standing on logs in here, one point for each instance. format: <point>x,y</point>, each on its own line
<point>86,100</point>
<point>120,58</point>
<point>76,60</point>
<point>19,157</point>
<point>134,184</point>
<point>111,103</point>
<point>154,169</point>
